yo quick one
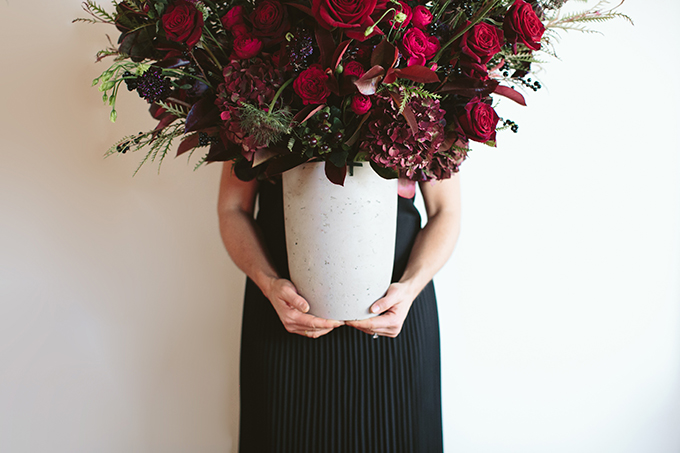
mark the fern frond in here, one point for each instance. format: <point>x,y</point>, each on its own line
<point>98,13</point>
<point>177,110</point>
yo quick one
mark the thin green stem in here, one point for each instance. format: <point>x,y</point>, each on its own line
<point>278,94</point>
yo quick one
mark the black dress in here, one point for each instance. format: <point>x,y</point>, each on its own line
<point>344,392</point>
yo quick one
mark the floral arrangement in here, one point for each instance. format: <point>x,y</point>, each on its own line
<point>270,84</point>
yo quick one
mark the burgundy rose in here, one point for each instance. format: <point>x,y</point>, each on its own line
<point>246,47</point>
<point>478,121</point>
<point>404,9</point>
<point>351,15</point>
<point>269,19</point>
<point>361,104</point>
<point>522,23</point>
<point>482,42</point>
<point>422,17</point>
<point>419,47</point>
<point>182,22</point>
<point>233,17</point>
<point>311,85</point>
<point>354,68</point>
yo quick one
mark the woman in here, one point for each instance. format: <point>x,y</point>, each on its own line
<point>317,385</point>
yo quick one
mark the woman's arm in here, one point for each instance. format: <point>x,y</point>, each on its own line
<point>432,248</point>
<point>241,237</point>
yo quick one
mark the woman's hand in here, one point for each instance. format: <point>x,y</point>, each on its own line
<point>394,307</point>
<point>292,310</point>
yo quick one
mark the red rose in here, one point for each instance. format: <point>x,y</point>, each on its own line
<point>269,19</point>
<point>478,121</point>
<point>522,23</point>
<point>246,47</point>
<point>233,17</point>
<point>351,15</point>
<point>354,68</point>
<point>480,44</point>
<point>403,9</point>
<point>182,22</point>
<point>419,47</point>
<point>361,104</point>
<point>311,85</point>
<point>422,17</point>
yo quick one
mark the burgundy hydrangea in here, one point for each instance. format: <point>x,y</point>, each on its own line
<point>254,82</point>
<point>389,141</point>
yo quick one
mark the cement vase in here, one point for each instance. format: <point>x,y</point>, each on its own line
<point>340,239</point>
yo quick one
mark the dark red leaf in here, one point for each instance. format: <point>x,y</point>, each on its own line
<point>408,113</point>
<point>189,143</point>
<point>368,83</point>
<point>391,76</point>
<point>164,121</point>
<point>336,175</point>
<point>306,113</point>
<point>282,164</point>
<point>470,87</point>
<point>510,94</point>
<point>339,52</point>
<point>332,82</point>
<point>385,54</point>
<point>203,114</point>
<point>304,9</point>
<point>326,43</point>
<point>417,73</point>
<point>171,63</point>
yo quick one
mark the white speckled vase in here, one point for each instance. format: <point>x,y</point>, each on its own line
<point>340,240</point>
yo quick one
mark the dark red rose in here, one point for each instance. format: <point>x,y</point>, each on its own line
<point>246,47</point>
<point>422,17</point>
<point>311,85</point>
<point>419,47</point>
<point>522,23</point>
<point>182,22</point>
<point>482,42</point>
<point>361,104</point>
<point>233,17</point>
<point>478,121</point>
<point>351,15</point>
<point>354,68</point>
<point>269,19</point>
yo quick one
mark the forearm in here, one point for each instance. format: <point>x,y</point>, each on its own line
<point>243,241</point>
<point>433,246</point>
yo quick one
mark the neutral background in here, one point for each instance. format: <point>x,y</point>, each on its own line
<point>120,310</point>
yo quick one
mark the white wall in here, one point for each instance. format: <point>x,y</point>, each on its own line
<point>120,310</point>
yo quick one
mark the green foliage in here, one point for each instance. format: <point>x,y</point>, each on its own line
<point>157,142</point>
<point>99,14</point>
<point>265,127</point>
<point>408,92</point>
<point>580,20</point>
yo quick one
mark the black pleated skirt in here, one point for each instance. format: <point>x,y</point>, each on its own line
<point>344,392</point>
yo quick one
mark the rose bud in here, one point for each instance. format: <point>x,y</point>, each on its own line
<point>246,47</point>
<point>361,104</point>
<point>354,68</point>
<point>422,17</point>
<point>233,17</point>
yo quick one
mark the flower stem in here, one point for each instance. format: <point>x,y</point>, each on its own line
<point>278,94</point>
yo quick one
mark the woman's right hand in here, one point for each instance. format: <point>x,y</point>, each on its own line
<point>292,310</point>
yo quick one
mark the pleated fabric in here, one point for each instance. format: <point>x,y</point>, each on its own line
<point>344,392</point>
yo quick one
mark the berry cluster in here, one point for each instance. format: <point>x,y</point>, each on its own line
<point>205,139</point>
<point>514,127</point>
<point>300,49</point>
<point>151,85</point>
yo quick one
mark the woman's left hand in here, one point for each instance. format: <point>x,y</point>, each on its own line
<point>394,307</point>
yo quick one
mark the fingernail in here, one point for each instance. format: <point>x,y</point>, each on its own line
<point>305,308</point>
<point>375,309</point>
